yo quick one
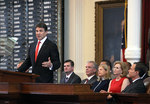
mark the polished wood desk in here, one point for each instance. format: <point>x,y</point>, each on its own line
<point>10,76</point>
<point>132,98</point>
<point>10,85</point>
<point>43,93</point>
<point>61,94</point>
<point>10,93</point>
<point>15,90</point>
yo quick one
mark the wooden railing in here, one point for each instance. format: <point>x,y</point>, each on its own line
<point>23,91</point>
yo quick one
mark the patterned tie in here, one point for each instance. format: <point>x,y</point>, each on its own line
<point>66,79</point>
<point>86,81</point>
<point>36,51</point>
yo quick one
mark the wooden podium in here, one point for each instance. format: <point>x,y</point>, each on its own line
<point>10,76</point>
<point>10,85</point>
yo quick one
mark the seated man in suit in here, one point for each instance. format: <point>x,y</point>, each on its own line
<point>135,72</point>
<point>91,69</point>
<point>145,75</point>
<point>69,76</point>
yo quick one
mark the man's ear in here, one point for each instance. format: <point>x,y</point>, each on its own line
<point>95,70</point>
<point>137,72</point>
<point>46,32</point>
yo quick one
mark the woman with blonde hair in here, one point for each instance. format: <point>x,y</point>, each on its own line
<point>120,82</point>
<point>103,80</point>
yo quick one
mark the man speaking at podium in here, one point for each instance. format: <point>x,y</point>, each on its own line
<point>43,56</point>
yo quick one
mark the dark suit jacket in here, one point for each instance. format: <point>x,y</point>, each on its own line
<point>91,81</point>
<point>136,87</point>
<point>48,49</point>
<point>100,85</point>
<point>72,79</point>
<point>145,76</point>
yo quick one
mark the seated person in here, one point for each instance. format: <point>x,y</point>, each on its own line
<point>69,76</point>
<point>128,64</point>
<point>145,75</point>
<point>120,82</point>
<point>91,69</point>
<point>104,79</point>
<point>136,71</point>
<point>108,63</point>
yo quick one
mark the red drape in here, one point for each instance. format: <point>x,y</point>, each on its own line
<point>145,27</point>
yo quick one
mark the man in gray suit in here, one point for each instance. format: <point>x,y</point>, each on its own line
<point>135,73</point>
<point>91,69</point>
<point>69,76</point>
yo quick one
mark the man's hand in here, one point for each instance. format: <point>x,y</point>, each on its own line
<point>102,91</point>
<point>47,63</point>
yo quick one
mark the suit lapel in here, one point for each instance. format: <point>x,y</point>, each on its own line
<point>83,81</point>
<point>70,78</point>
<point>131,86</point>
<point>92,79</point>
<point>63,79</point>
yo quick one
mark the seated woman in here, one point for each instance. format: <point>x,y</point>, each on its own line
<point>120,82</point>
<point>104,79</point>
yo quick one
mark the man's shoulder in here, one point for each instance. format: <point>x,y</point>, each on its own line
<point>139,82</point>
<point>82,82</point>
<point>94,77</point>
<point>75,75</point>
<point>49,43</point>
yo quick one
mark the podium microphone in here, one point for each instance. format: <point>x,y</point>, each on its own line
<point>24,43</point>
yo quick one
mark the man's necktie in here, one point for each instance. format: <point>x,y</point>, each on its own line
<point>86,81</point>
<point>66,79</point>
<point>36,51</point>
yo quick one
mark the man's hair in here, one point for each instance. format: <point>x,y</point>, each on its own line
<point>72,63</point>
<point>108,63</point>
<point>141,68</point>
<point>94,64</point>
<point>129,64</point>
<point>42,25</point>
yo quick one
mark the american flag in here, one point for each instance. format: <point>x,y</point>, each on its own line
<point>123,47</point>
<point>124,35</point>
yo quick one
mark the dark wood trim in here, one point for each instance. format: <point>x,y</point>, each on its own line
<point>99,6</point>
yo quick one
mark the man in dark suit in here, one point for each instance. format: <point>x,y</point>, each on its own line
<point>91,69</point>
<point>69,76</point>
<point>43,56</point>
<point>145,75</point>
<point>135,72</point>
